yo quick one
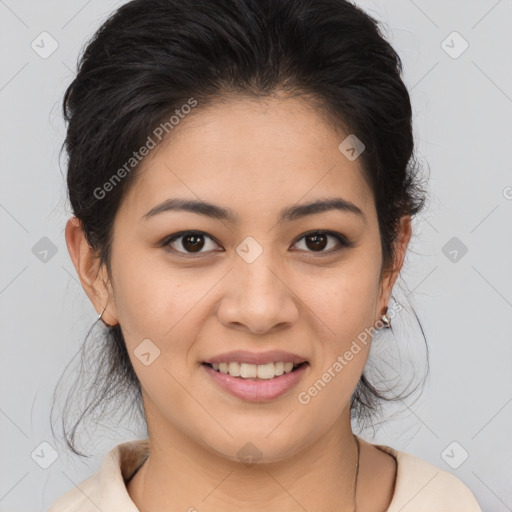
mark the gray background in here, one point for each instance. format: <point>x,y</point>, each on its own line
<point>462,107</point>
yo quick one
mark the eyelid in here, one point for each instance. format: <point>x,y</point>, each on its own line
<point>343,240</point>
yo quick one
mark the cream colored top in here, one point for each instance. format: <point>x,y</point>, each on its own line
<point>419,486</point>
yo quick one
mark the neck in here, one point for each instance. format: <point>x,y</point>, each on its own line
<point>181,474</point>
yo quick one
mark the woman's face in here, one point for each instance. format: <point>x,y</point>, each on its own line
<point>254,282</point>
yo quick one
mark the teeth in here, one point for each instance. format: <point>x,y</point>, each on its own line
<point>278,368</point>
<point>251,371</point>
<point>247,371</point>
<point>234,369</point>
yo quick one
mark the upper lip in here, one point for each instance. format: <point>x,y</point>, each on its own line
<point>244,356</point>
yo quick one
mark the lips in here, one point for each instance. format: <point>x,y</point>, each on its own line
<point>258,376</point>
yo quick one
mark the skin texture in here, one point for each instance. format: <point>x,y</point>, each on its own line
<point>254,157</point>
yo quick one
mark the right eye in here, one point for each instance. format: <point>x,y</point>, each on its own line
<point>191,241</point>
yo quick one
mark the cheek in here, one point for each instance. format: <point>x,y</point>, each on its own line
<point>159,315</point>
<point>344,299</point>
<point>345,313</point>
<point>153,302</point>
<point>344,302</point>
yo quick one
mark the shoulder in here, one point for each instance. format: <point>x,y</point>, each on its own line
<point>106,489</point>
<point>423,487</point>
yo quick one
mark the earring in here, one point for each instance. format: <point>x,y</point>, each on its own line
<point>387,320</point>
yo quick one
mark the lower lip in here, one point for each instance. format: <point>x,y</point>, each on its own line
<point>257,390</point>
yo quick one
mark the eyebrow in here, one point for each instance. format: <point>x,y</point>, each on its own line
<point>287,214</point>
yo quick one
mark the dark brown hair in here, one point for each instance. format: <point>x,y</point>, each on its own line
<point>151,56</point>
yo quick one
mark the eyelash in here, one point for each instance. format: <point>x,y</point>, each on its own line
<point>344,242</point>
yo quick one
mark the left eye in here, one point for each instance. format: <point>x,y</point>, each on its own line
<point>194,241</point>
<point>318,240</point>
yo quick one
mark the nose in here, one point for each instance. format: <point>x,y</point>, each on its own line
<point>259,297</point>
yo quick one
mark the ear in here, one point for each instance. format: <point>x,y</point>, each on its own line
<point>95,280</point>
<point>390,275</point>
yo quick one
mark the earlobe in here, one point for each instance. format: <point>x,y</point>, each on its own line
<point>93,279</point>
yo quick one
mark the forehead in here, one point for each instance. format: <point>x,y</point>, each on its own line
<point>247,153</point>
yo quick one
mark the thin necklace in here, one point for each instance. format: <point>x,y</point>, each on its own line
<point>357,472</point>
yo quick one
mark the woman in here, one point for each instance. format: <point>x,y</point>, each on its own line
<point>242,180</point>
